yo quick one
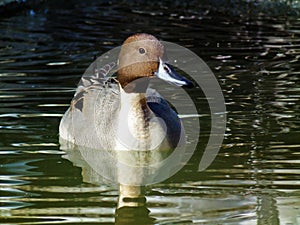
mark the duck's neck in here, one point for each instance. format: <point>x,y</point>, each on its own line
<point>135,104</point>
<point>134,101</point>
<point>134,117</point>
<point>135,109</point>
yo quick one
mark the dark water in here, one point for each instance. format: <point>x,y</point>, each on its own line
<point>254,54</point>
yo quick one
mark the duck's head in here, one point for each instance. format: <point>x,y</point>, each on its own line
<point>141,57</point>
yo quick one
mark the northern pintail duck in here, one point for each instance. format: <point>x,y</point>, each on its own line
<point>122,113</point>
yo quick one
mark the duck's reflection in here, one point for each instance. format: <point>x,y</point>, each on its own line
<point>131,168</point>
<point>131,208</point>
<point>133,215</point>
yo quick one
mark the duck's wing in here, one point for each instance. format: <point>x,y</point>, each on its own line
<point>98,80</point>
<point>161,108</point>
<point>89,115</point>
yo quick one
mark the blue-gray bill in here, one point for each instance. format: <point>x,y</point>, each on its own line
<point>167,73</point>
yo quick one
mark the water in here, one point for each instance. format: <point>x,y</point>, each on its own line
<point>254,54</point>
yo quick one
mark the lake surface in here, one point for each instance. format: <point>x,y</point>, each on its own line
<point>253,52</point>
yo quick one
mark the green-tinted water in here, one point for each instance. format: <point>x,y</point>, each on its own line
<point>255,57</point>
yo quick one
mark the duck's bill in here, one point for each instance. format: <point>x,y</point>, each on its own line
<point>167,73</point>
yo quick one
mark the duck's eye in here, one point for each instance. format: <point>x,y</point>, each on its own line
<point>142,51</point>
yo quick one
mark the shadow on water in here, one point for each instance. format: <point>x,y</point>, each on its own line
<point>254,54</point>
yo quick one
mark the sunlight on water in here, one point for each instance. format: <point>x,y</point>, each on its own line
<point>255,57</point>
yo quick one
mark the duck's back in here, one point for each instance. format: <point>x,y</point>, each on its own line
<point>88,120</point>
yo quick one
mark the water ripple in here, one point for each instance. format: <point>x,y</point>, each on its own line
<point>252,48</point>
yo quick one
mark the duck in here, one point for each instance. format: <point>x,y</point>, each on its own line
<point>122,113</point>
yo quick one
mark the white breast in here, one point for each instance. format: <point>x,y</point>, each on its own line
<point>138,128</point>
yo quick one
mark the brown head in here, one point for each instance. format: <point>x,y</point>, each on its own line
<point>139,58</point>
